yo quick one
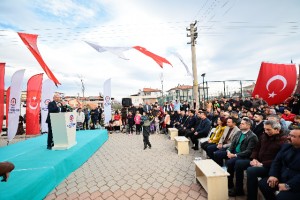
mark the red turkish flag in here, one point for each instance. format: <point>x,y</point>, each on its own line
<point>159,60</point>
<point>275,82</point>
<point>34,88</point>
<point>30,40</point>
<point>2,72</point>
<point>7,104</point>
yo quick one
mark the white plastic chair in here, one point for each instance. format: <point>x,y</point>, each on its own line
<point>202,140</point>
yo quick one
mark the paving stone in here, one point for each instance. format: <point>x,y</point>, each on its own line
<point>194,194</point>
<point>118,193</point>
<point>158,196</point>
<point>140,192</point>
<point>95,195</point>
<point>106,194</point>
<point>170,196</point>
<point>84,195</point>
<point>72,196</point>
<point>129,192</point>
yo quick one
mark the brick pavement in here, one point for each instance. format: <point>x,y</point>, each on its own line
<point>121,169</point>
<point>147,180</point>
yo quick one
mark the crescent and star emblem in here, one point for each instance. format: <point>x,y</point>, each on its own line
<point>276,77</point>
<point>33,107</point>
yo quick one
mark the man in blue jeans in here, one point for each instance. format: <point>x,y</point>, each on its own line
<point>262,156</point>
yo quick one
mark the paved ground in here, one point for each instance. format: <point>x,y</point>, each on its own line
<point>121,169</point>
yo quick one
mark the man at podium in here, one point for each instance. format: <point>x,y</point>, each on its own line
<point>53,107</point>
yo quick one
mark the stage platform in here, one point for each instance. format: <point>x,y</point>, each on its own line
<point>39,170</point>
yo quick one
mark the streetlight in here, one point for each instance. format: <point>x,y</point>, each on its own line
<point>203,75</point>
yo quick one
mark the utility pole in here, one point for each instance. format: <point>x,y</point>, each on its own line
<point>193,35</point>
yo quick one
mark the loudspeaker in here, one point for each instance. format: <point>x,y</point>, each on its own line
<point>126,102</point>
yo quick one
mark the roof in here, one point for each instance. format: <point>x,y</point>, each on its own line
<point>181,87</point>
<point>151,90</point>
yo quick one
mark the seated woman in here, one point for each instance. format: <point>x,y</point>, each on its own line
<point>217,134</point>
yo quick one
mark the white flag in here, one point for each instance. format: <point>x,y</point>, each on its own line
<point>47,95</point>
<point>14,103</point>
<point>118,51</point>
<point>107,100</point>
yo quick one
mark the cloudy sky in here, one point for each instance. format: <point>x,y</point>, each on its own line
<point>235,36</point>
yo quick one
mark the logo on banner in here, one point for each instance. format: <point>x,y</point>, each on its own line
<point>13,103</point>
<point>33,104</point>
<point>107,101</point>
<point>71,123</point>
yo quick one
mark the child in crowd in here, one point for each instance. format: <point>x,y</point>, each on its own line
<point>137,120</point>
<point>156,123</point>
<point>130,121</point>
<point>146,129</point>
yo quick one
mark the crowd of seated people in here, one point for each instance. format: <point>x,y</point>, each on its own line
<point>249,138</point>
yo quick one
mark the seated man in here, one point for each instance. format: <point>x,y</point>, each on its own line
<point>189,123</point>
<point>218,152</point>
<point>202,129</point>
<point>262,156</point>
<point>284,173</point>
<point>241,147</point>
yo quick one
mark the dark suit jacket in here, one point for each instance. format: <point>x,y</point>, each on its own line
<point>52,108</point>
<point>248,144</point>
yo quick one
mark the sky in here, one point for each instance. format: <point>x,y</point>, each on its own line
<point>234,37</point>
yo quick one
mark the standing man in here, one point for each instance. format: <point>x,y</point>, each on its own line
<point>147,107</point>
<point>53,107</point>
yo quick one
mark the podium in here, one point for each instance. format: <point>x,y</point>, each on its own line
<point>63,129</point>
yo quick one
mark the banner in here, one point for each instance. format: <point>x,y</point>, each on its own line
<point>159,60</point>
<point>7,104</point>
<point>14,103</point>
<point>47,96</point>
<point>118,51</point>
<point>33,100</point>
<point>30,40</point>
<point>107,100</point>
<point>2,73</point>
<point>275,82</point>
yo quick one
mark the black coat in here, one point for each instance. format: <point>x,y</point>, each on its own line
<point>52,108</point>
<point>286,167</point>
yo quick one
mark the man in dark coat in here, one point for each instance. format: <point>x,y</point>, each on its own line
<point>262,156</point>
<point>285,172</point>
<point>241,147</point>
<point>258,125</point>
<point>53,107</point>
<point>202,130</point>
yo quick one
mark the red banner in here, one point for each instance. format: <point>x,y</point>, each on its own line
<point>34,88</point>
<point>2,73</point>
<point>30,40</point>
<point>159,60</point>
<point>7,104</point>
<point>275,82</point>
